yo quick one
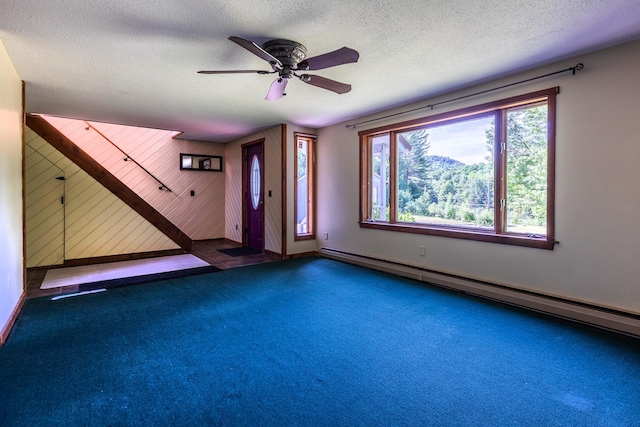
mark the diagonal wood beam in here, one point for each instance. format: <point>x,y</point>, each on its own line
<point>106,178</point>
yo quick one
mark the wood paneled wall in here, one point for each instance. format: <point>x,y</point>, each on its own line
<point>94,223</point>
<point>273,182</point>
<point>44,211</point>
<point>201,216</point>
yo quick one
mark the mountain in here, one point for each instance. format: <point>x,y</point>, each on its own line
<point>444,162</point>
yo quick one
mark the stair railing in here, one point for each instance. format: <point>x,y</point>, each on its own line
<point>127,157</point>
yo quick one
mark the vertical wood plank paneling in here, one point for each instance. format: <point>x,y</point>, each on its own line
<point>200,217</point>
<point>273,184</point>
<point>96,224</point>
<point>273,175</point>
<point>44,214</point>
<point>233,190</point>
<point>218,195</point>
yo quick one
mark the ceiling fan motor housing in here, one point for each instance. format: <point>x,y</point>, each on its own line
<point>288,52</point>
<point>286,57</point>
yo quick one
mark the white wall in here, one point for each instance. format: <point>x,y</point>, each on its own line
<point>11,262</point>
<point>597,192</point>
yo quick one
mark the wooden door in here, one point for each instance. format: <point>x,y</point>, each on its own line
<point>254,195</point>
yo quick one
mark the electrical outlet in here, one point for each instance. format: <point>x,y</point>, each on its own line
<point>422,250</point>
<point>326,236</point>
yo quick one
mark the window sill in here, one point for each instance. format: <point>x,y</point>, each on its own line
<point>467,234</point>
<point>304,237</point>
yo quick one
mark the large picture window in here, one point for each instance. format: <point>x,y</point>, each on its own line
<point>481,173</point>
<point>304,184</point>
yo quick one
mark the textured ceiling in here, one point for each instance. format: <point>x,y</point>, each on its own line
<point>135,62</point>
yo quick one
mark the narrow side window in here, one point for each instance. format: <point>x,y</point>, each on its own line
<point>304,186</point>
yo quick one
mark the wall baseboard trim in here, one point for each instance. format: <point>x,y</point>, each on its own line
<point>215,240</point>
<point>272,254</point>
<point>4,335</point>
<point>111,258</point>
<point>302,255</point>
<point>601,317</point>
<point>121,257</point>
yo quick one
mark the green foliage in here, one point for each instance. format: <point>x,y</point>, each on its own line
<point>404,199</point>
<point>376,213</point>
<point>406,217</point>
<point>441,189</point>
<point>485,218</point>
<point>302,164</point>
<point>418,206</point>
<point>527,166</point>
<point>469,216</point>
<point>413,166</point>
<point>451,212</point>
<point>402,216</point>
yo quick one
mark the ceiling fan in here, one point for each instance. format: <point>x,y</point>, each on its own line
<point>287,57</point>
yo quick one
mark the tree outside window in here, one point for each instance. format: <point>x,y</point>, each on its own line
<point>482,173</point>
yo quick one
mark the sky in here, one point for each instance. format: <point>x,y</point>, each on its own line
<point>464,142</point>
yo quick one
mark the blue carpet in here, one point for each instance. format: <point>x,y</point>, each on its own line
<point>308,342</point>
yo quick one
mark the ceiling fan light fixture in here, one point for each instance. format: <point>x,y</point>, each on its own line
<point>286,57</point>
<point>288,52</point>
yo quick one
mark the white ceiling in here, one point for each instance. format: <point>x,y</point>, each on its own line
<point>135,62</point>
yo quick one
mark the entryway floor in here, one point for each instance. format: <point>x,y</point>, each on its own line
<point>207,251</point>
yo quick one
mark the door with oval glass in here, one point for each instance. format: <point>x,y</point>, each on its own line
<point>254,196</point>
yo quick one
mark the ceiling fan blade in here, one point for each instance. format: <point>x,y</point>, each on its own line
<point>276,91</point>
<point>257,50</point>
<point>341,56</point>
<point>236,72</point>
<point>325,83</point>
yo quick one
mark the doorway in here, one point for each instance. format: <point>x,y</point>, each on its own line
<point>45,210</point>
<point>253,201</point>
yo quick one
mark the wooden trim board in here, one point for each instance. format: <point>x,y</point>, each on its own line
<point>4,335</point>
<point>107,179</point>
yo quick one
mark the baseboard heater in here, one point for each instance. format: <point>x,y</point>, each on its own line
<point>626,323</point>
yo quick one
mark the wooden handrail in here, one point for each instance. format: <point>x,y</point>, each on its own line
<point>127,157</point>
<point>74,153</point>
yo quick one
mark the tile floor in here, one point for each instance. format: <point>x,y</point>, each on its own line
<point>205,250</point>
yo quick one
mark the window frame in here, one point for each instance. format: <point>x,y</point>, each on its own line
<point>496,235</point>
<point>311,179</point>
